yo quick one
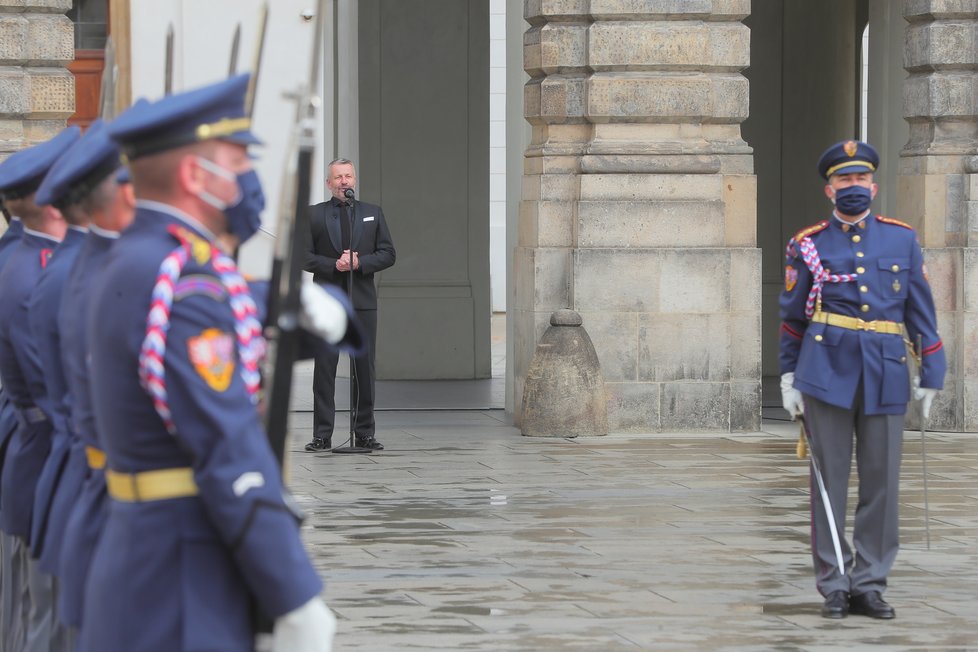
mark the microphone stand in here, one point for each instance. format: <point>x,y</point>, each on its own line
<point>354,381</point>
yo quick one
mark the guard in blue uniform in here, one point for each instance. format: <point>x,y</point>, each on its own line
<point>82,185</point>
<point>23,380</point>
<point>855,294</point>
<point>198,512</point>
<point>110,206</point>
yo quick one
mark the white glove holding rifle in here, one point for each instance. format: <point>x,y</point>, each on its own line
<point>790,397</point>
<point>309,628</point>
<point>925,395</point>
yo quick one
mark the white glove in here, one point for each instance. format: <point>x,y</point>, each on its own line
<point>309,628</point>
<point>925,395</point>
<point>791,397</point>
<point>322,315</point>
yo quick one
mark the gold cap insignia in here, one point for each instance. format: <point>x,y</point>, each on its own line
<point>850,148</point>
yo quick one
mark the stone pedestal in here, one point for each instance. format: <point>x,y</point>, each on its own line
<point>564,393</point>
<point>37,93</point>
<point>638,206</point>
<point>938,186</point>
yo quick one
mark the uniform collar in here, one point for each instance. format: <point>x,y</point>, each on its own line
<point>41,235</point>
<point>103,233</point>
<point>174,212</point>
<point>846,226</point>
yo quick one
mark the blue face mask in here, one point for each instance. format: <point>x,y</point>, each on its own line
<point>244,217</point>
<point>854,200</point>
<point>244,212</point>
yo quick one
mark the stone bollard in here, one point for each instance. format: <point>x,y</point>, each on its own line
<point>564,394</point>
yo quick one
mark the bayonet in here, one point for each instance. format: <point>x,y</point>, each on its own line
<point>168,71</point>
<point>106,100</point>
<point>826,503</point>
<point>235,44</point>
<point>256,63</point>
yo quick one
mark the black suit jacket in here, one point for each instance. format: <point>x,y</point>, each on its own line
<point>371,240</point>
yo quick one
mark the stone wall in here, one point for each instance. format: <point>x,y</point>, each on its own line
<point>37,92</point>
<point>639,204</point>
<point>938,184</point>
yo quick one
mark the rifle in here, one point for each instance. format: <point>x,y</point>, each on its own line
<point>168,71</point>
<point>235,43</point>
<point>291,248</point>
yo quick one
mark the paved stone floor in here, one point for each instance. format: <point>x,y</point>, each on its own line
<point>463,535</point>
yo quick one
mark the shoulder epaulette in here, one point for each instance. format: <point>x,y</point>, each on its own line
<point>814,228</point>
<point>199,247</point>
<point>890,220</point>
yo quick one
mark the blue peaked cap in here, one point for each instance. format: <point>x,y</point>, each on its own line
<point>212,112</point>
<point>86,164</point>
<point>848,156</point>
<point>23,171</point>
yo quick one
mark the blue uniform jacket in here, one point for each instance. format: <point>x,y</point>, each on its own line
<point>8,419</point>
<point>89,511</point>
<point>20,367</point>
<point>176,574</point>
<point>47,526</point>
<point>831,363</point>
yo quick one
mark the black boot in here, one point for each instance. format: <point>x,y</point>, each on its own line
<point>368,441</point>
<point>317,445</point>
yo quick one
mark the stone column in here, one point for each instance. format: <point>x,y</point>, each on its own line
<point>37,93</point>
<point>938,185</point>
<point>638,206</point>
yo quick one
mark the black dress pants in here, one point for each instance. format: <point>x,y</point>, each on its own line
<point>362,382</point>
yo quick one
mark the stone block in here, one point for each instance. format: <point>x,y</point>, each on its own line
<point>617,280</point>
<point>616,341</point>
<point>50,39</point>
<point>941,95</point>
<point>694,406</point>
<point>969,280</point>
<point>745,406</point>
<point>694,280</point>
<point>52,94</point>
<point>13,39</point>
<point>922,202</point>
<point>745,346</point>
<point>969,343</point>
<point>670,9</point>
<point>684,347</point>
<point>15,92</point>
<point>556,99</point>
<point>633,407</point>
<point>544,278</point>
<point>740,210</point>
<point>546,223</point>
<point>666,97</point>
<point>11,131</point>
<point>950,45</point>
<point>969,411</point>
<point>745,280</point>
<point>59,6</point>
<point>947,326</point>
<point>942,273</point>
<point>555,47</point>
<point>650,224</point>
<point>37,131</point>
<point>916,10</point>
<point>668,45</point>
<point>539,11</point>
<point>641,187</point>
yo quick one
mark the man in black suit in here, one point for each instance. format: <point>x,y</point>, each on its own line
<point>331,259</point>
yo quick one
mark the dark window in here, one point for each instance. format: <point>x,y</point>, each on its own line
<point>91,23</point>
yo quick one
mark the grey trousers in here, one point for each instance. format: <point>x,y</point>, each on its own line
<point>14,587</point>
<point>38,609</point>
<point>875,537</point>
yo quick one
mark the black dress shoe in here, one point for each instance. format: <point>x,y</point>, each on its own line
<point>872,605</point>
<point>318,445</point>
<point>368,441</point>
<point>836,605</point>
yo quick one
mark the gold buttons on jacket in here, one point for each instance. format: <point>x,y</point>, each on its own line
<point>856,238</point>
<point>818,338</point>
<point>859,254</point>
<point>860,270</point>
<point>863,288</point>
<point>895,268</point>
<point>864,307</point>
<point>903,358</point>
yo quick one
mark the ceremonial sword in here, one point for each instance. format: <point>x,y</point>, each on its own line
<point>829,514</point>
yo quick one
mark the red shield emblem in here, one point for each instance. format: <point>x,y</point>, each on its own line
<point>790,278</point>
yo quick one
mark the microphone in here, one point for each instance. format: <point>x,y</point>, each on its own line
<point>349,193</point>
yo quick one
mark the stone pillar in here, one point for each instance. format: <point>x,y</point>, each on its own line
<point>938,185</point>
<point>37,93</point>
<point>638,206</point>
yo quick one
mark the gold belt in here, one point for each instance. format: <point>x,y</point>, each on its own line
<point>160,484</point>
<point>96,458</point>
<point>857,324</point>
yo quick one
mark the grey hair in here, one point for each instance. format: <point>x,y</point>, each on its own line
<point>341,161</point>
